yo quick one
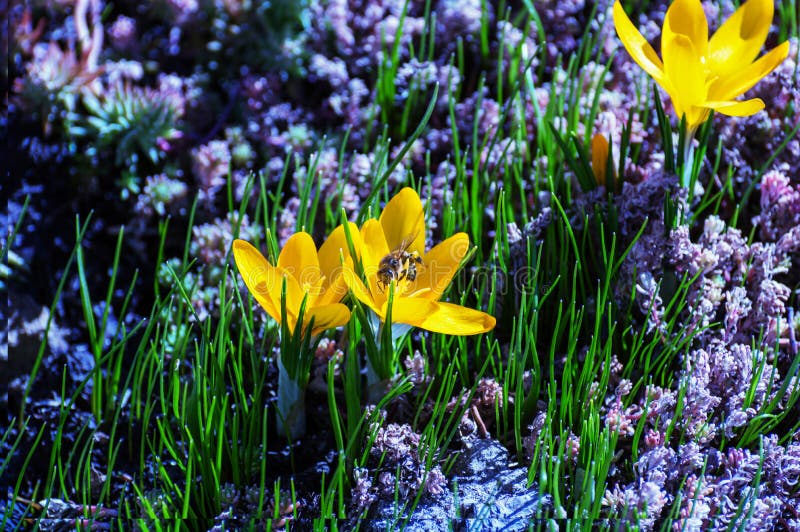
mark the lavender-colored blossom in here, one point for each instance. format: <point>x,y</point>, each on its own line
<point>563,22</point>
<point>54,69</point>
<point>620,419</point>
<point>348,103</point>
<point>360,171</point>
<point>487,394</point>
<point>325,165</point>
<point>178,91</point>
<point>210,246</point>
<point>361,32</point>
<point>695,510</point>
<point>284,129</point>
<point>117,72</point>
<point>234,8</point>
<point>337,16</point>
<point>363,493</point>
<point>122,33</point>
<point>296,139</point>
<point>211,164</point>
<point>480,108</point>
<point>456,17</point>
<point>159,194</point>
<point>650,303</point>
<point>435,482</point>
<point>725,261</point>
<point>415,366</point>
<point>350,200</point>
<point>395,441</point>
<point>183,11</point>
<point>422,76</point>
<point>260,92</point>
<point>334,71</point>
<point>211,242</point>
<point>780,205</point>
<point>737,306</point>
<point>439,194</point>
<point>288,220</point>
<point>396,447</point>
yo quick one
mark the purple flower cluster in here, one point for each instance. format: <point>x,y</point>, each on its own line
<point>564,23</point>
<point>210,165</point>
<point>396,468</point>
<point>347,44</point>
<point>160,195</point>
<point>744,280</point>
<point>742,332</point>
<point>210,245</point>
<point>780,205</point>
<point>122,33</point>
<point>716,486</point>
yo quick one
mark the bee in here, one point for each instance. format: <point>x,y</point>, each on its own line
<point>398,264</point>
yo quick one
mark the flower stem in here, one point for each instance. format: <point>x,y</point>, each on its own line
<point>688,162</point>
<point>686,158</point>
<point>291,405</point>
<point>376,386</point>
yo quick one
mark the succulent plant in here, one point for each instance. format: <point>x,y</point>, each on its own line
<point>132,120</point>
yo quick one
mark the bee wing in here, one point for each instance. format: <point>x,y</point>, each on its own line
<point>406,242</point>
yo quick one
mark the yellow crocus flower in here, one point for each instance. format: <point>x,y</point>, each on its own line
<point>310,274</point>
<point>699,73</point>
<point>600,158</point>
<point>415,301</point>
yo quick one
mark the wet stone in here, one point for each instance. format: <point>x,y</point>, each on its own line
<point>484,493</point>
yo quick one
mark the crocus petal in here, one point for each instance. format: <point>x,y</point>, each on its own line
<point>681,62</point>
<point>445,318</point>
<point>374,245</point>
<point>333,249</point>
<point>731,86</point>
<point>299,258</point>
<point>261,278</point>
<point>375,248</point>
<point>294,297</point>
<point>638,47</point>
<point>440,265</point>
<point>328,317</point>
<point>410,310</point>
<point>739,39</point>
<point>687,18</point>
<point>734,108</point>
<point>357,287</point>
<point>403,220</point>
<point>599,158</point>
<point>334,292</point>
